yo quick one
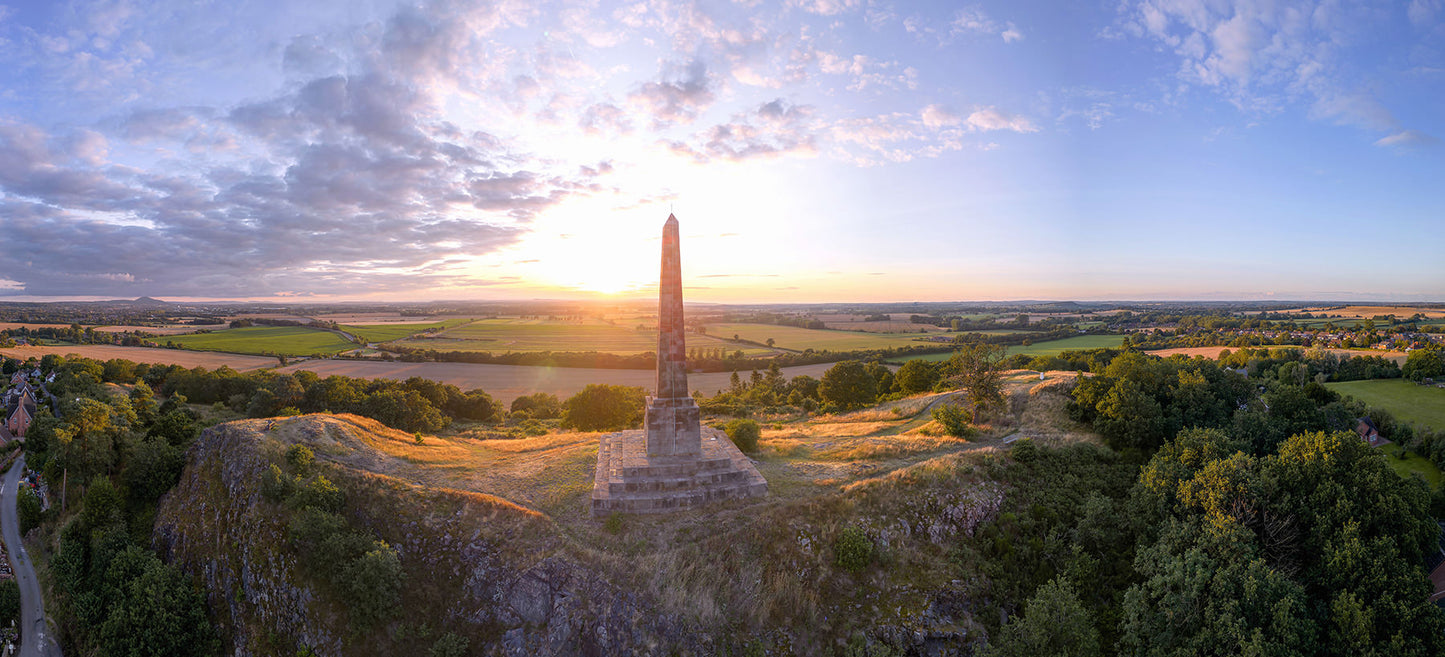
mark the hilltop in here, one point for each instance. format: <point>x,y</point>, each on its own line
<point>496,546</point>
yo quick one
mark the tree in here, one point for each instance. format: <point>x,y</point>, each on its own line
<point>157,614</point>
<point>539,405</point>
<point>975,366</point>
<point>28,505</point>
<point>916,376</point>
<point>1055,623</point>
<point>848,385</point>
<point>372,585</point>
<point>604,407</point>
<point>1423,364</point>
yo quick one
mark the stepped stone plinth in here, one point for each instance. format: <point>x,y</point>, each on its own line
<point>674,462</point>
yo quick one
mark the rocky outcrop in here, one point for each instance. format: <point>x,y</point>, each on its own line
<point>475,565</point>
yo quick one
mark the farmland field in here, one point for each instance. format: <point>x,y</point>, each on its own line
<point>1412,465</point>
<point>529,335</point>
<point>1404,399</point>
<point>1213,352</point>
<point>397,330</point>
<point>1050,348</point>
<point>799,339</point>
<point>153,330</point>
<point>188,359</point>
<point>280,340</point>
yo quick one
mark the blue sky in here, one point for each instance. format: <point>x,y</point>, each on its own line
<point>814,150</point>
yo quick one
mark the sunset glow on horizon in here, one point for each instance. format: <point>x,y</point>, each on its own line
<point>814,150</point>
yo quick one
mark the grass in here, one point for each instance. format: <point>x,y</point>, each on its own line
<point>389,332</point>
<point>1413,465</point>
<point>279,340</point>
<point>800,339</point>
<point>1050,348</point>
<point>1407,401</point>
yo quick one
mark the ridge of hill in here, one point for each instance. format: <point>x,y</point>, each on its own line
<point>496,545</point>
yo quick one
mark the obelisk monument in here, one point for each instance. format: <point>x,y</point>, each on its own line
<point>674,462</point>
<point>671,415</point>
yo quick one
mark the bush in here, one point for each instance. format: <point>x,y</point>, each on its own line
<point>602,407</point>
<point>852,550</point>
<point>954,420</point>
<point>301,458</point>
<point>744,434</point>
<point>28,504</point>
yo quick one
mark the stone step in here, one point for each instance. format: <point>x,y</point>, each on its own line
<point>631,484</point>
<point>644,503</point>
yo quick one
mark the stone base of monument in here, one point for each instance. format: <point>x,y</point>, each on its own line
<point>630,481</point>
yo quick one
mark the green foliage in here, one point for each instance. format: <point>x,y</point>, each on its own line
<point>1054,623</point>
<point>954,420</point>
<point>744,434</point>
<point>155,613</point>
<point>976,367</point>
<point>371,585</point>
<point>27,504</point>
<point>603,407</point>
<point>852,549</point>
<point>848,385</point>
<point>9,602</point>
<point>539,405</point>
<point>916,376</point>
<point>317,492</point>
<point>449,645</point>
<point>1423,364</point>
<point>301,459</point>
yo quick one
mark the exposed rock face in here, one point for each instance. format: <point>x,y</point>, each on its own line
<point>475,565</point>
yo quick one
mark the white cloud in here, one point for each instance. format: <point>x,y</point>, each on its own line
<point>992,118</point>
<point>937,116</point>
<point>1406,138</point>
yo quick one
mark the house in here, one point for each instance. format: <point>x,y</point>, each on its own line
<point>18,420</point>
<point>17,377</point>
<point>1369,433</point>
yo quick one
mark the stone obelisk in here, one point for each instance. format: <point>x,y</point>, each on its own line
<point>674,463</point>
<point>672,415</point>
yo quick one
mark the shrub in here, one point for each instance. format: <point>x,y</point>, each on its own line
<point>301,458</point>
<point>744,434</point>
<point>602,407</point>
<point>852,550</point>
<point>954,420</point>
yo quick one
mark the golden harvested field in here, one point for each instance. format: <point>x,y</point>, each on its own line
<point>1364,311</point>
<point>209,360</point>
<point>4,326</point>
<point>1213,352</point>
<point>508,382</point>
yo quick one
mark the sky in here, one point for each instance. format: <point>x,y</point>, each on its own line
<point>813,150</point>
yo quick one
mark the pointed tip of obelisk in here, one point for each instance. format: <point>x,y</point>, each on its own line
<point>671,218</point>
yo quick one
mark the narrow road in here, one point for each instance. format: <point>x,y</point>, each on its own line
<point>35,639</point>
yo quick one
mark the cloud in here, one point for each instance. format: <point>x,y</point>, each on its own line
<point>991,118</point>
<point>679,96</point>
<point>936,116</point>
<point>1407,138</point>
<point>1263,57</point>
<point>772,129</point>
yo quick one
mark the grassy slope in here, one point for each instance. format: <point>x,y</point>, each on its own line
<point>1407,401</point>
<point>736,570</point>
<point>283,340</point>
<point>798,339</point>
<point>1050,348</point>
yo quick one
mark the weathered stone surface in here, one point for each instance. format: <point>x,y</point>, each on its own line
<point>672,463</point>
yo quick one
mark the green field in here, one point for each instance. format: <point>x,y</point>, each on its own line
<point>1050,348</point>
<point>1413,465</point>
<point>279,340</point>
<point>1408,402</point>
<point>799,339</point>
<point>389,332</point>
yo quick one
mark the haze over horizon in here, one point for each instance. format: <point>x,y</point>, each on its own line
<point>814,150</point>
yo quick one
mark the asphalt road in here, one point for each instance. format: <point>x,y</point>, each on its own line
<point>35,639</point>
